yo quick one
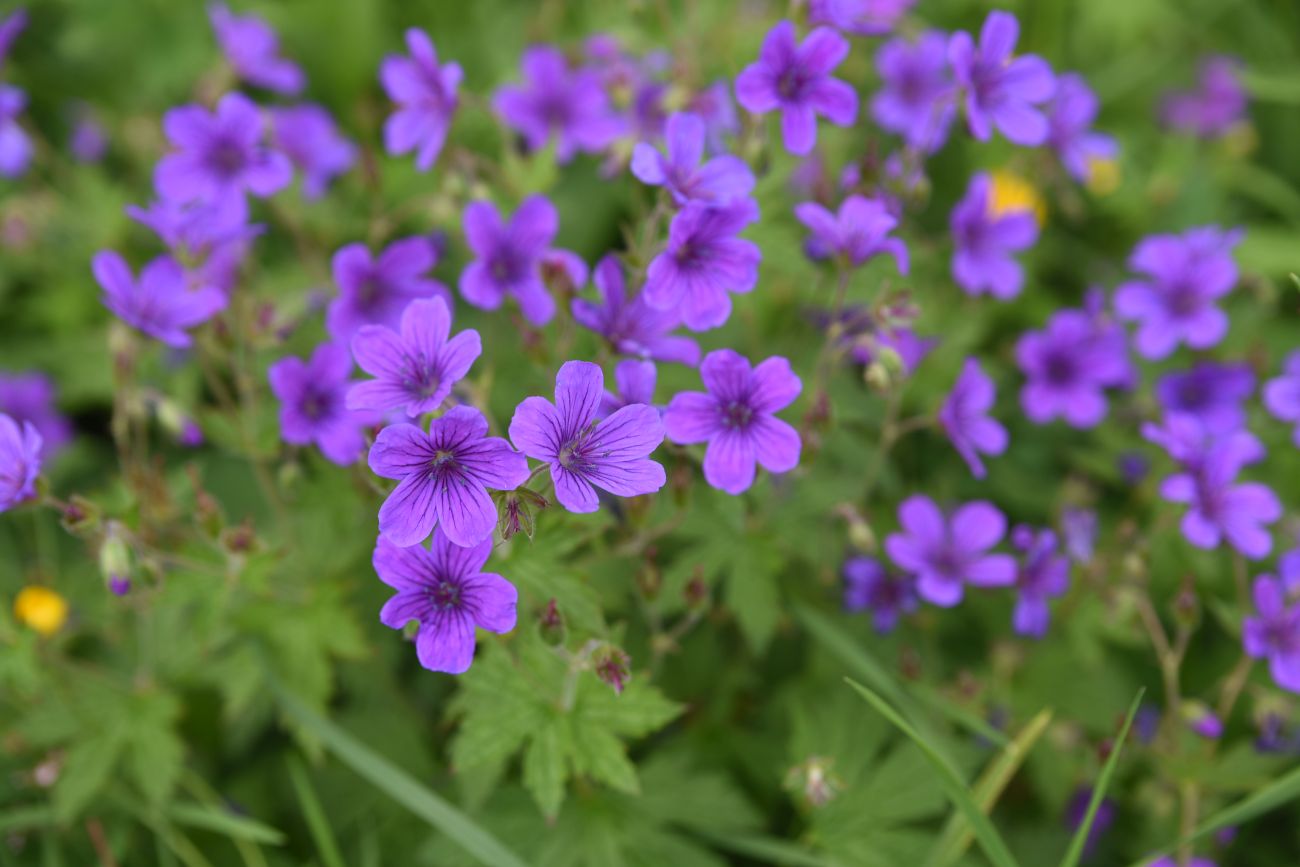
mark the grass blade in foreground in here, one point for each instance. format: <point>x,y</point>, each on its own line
<point>767,850</point>
<point>989,839</point>
<point>400,786</point>
<point>1075,852</point>
<point>314,815</point>
<point>957,834</point>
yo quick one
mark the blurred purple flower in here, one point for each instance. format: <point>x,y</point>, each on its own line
<point>1274,633</point>
<point>29,398</point>
<point>984,241</point>
<point>632,326</point>
<point>1068,366</point>
<point>714,106</point>
<point>1077,808</point>
<point>10,28</point>
<point>1211,393</point>
<point>945,553</point>
<point>445,589</point>
<point>859,17</point>
<point>253,50</point>
<point>508,257</point>
<point>219,153</point>
<point>703,262</point>
<point>1079,527</point>
<point>636,384</point>
<point>1042,574</point>
<point>308,137</point>
<point>15,146</point>
<point>1282,395</point>
<point>1001,90</point>
<point>20,461</point>
<point>159,304</point>
<point>584,454</point>
<point>1203,721</point>
<point>916,97</point>
<point>869,586</point>
<point>795,79</point>
<point>736,418</point>
<point>87,142</point>
<point>1215,106</point>
<point>1133,467</point>
<point>1070,118</point>
<point>858,232</point>
<point>1170,861</point>
<point>425,94</point>
<point>211,238</point>
<point>965,417</point>
<point>444,476</point>
<point>312,403</point>
<point>558,101</point>
<point>375,290</point>
<point>719,180</point>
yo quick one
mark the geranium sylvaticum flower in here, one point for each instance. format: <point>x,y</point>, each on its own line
<point>857,233</point>
<point>211,239</point>
<point>1211,393</point>
<point>29,397</point>
<point>508,257</point>
<point>374,290</point>
<point>965,417</point>
<point>869,586</point>
<point>219,153</point>
<point>1001,91</point>
<point>859,17</point>
<point>1041,575</point>
<point>736,418</point>
<point>309,138</point>
<point>416,366</point>
<point>945,553</point>
<point>1070,132</point>
<point>20,461</point>
<point>160,303</point>
<point>704,262</point>
<point>313,408</point>
<point>1068,366</point>
<point>631,325</point>
<point>558,102</point>
<point>11,27</point>
<point>584,454</point>
<point>916,98</point>
<point>444,476</point>
<point>680,171</point>
<point>1274,632</point>
<point>795,79</point>
<point>636,384</point>
<point>253,50</point>
<point>425,93</point>
<point>984,241</point>
<point>1215,106</point>
<point>15,145</point>
<point>445,590</point>
<point>1282,395</point>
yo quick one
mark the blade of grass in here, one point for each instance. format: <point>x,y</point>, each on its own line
<point>955,787</point>
<point>768,850</point>
<point>224,823</point>
<point>1075,852</point>
<point>314,814</point>
<point>957,834</point>
<point>399,785</point>
<point>25,818</point>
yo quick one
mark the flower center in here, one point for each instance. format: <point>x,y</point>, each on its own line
<point>792,84</point>
<point>1060,369</point>
<point>445,595</point>
<point>737,415</point>
<point>226,158</point>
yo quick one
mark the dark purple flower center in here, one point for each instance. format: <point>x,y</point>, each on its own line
<point>949,563</point>
<point>737,415</point>
<point>369,290</point>
<point>792,84</point>
<point>507,266</point>
<point>1184,300</point>
<point>423,378</point>
<point>1060,368</point>
<point>575,456</point>
<point>446,595</point>
<point>319,405</point>
<point>226,157</point>
<point>1192,396</point>
<point>692,255</point>
<point>555,108</point>
<point>443,459</point>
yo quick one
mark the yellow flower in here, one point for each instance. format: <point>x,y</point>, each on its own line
<point>1012,194</point>
<point>41,608</point>
<point>1103,176</point>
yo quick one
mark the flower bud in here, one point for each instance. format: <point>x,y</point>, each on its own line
<point>551,625</point>
<point>1201,719</point>
<point>515,511</point>
<point>613,666</point>
<point>115,558</point>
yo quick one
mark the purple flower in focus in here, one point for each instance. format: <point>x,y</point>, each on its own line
<point>632,326</point>
<point>445,589</point>
<point>1042,574</point>
<point>1216,105</point>
<point>965,418</point>
<point>1070,134</point>
<point>29,398</point>
<point>219,153</point>
<point>1186,275</point>
<point>858,232</point>
<point>558,101</point>
<point>15,146</point>
<point>1068,366</point>
<point>10,28</point>
<point>416,367</point>
<point>1274,633</point>
<point>375,290</point>
<point>636,384</point>
<point>253,49</point>
<point>718,180</point>
<point>916,94</point>
<point>159,304</point>
<point>20,461</point>
<point>584,454</point>
<point>984,241</point>
<point>1282,395</point>
<point>796,79</point>
<point>425,94</point>
<point>1079,527</point>
<point>312,403</point>
<point>508,257</point>
<point>736,418</point>
<point>1001,91</point>
<point>869,586</point>
<point>946,553</point>
<point>703,262</point>
<point>211,238</point>
<point>444,476</point>
<point>1211,393</point>
<point>308,137</point>
<point>859,17</point>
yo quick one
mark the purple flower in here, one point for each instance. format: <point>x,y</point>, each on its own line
<point>444,477</point>
<point>558,101</point>
<point>946,553</point>
<point>29,398</point>
<point>1001,91</point>
<point>425,94</point>
<point>375,291</point>
<point>415,368</point>
<point>1282,395</point>
<point>15,146</point>
<point>1170,861</point>
<point>1070,134</point>
<point>10,28</point>
<point>1077,807</point>
<point>703,262</point>
<point>868,586</point>
<point>508,258</point>
<point>87,142</point>
<point>916,94</point>
<point>1186,274</point>
<point>636,384</point>
<point>1211,393</point>
<point>611,455</point>
<point>632,327</point>
<point>859,17</point>
<point>718,180</point>
<point>312,403</point>
<point>211,238</point>
<point>965,418</point>
<point>1274,634</point>
<point>714,106</point>
<point>445,589</point>
<point>20,461</point>
<point>1216,105</point>
<point>219,153</point>
<point>1202,720</point>
<point>159,304</point>
<point>867,341</point>
<point>736,418</point>
<point>796,79</point>
<point>985,240</point>
<point>308,137</point>
<point>253,49</point>
<point>1079,527</point>
<point>1043,574</point>
<point>859,232</point>
<point>1069,365</point>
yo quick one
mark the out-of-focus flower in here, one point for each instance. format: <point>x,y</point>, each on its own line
<point>20,461</point>
<point>857,233</point>
<point>946,553</point>
<point>160,303</point>
<point>253,50</point>
<point>312,403</point>
<point>1077,808</point>
<point>985,241</point>
<point>1211,393</point>
<point>1070,118</point>
<point>916,99</point>
<point>1010,193</point>
<point>10,28</point>
<point>1214,107</point>
<point>220,153</point>
<point>308,137</point>
<point>1068,366</point>
<point>635,381</point>
<point>1079,528</point>
<point>375,290</point>
<point>859,17</point>
<point>1001,91</point>
<point>508,257</point>
<point>425,93</point>
<point>1282,395</point>
<point>209,239</point>
<point>703,263</point>
<point>714,106</point>
<point>1042,574</point>
<point>680,172</point>
<point>869,586</point>
<point>632,326</point>
<point>29,397</point>
<point>87,142</point>
<point>965,417</point>
<point>40,609</point>
<point>560,102</point>
<point>1201,720</point>
<point>1274,632</point>
<point>15,146</point>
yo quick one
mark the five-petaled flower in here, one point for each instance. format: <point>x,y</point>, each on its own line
<point>20,461</point>
<point>1274,633</point>
<point>984,240</point>
<point>425,93</point>
<point>160,303</point>
<point>556,101</point>
<point>718,180</point>
<point>965,417</point>
<point>858,232</point>
<point>631,325</point>
<point>313,403</point>
<point>946,553</point>
<point>1001,91</point>
<point>253,50</point>
<point>375,290</point>
<point>219,153</point>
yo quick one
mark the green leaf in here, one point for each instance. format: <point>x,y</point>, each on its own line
<point>989,839</point>
<point>544,766</point>
<point>1075,852</point>
<point>87,769</point>
<point>221,822</point>
<point>399,785</point>
<point>314,815</point>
